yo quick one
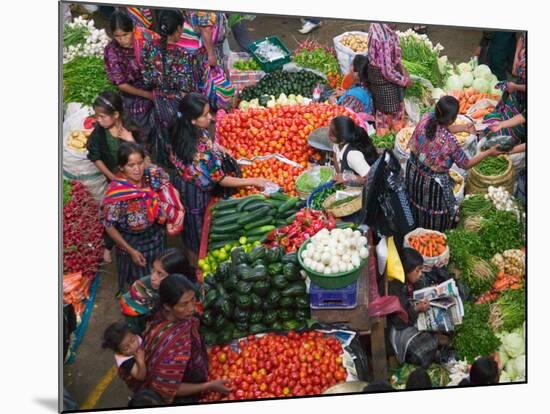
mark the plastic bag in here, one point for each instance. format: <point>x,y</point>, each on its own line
<point>503,142</point>
<point>412,109</point>
<point>395,267</point>
<point>382,254</point>
<point>344,54</point>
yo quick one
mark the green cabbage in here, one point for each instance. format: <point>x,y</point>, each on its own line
<point>437,93</point>
<point>467,79</point>
<point>454,83</point>
<point>481,71</point>
<point>463,68</point>
<point>480,85</point>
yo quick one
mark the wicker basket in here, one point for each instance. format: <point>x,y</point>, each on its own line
<point>343,210</point>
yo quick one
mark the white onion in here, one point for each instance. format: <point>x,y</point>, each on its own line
<point>317,256</point>
<point>346,258</point>
<point>325,258</point>
<point>363,253</point>
<point>361,241</point>
<point>357,234</point>
<point>349,267</point>
<point>355,261</point>
<point>327,271</point>
<point>348,232</point>
<point>304,254</point>
<point>334,268</point>
<point>307,262</point>
<point>342,267</point>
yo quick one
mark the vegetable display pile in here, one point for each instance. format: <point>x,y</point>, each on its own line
<point>281,130</point>
<point>270,366</point>
<point>271,102</point>
<point>82,233</point>
<point>473,337</point>
<point>252,293</point>
<point>210,263</point>
<point>319,59</point>
<point>429,244</point>
<point>501,231</point>
<point>356,42</point>
<point>335,251</point>
<point>502,200</point>
<point>253,217</point>
<point>492,166</point>
<point>312,179</point>
<point>320,196</point>
<point>306,224</point>
<point>277,82</point>
<point>512,355</point>
<point>384,141</point>
<point>272,169</point>
<point>81,38</point>
<point>474,78</point>
<point>76,290</point>
<point>78,139</point>
<point>246,64</point>
<point>511,261</point>
<point>502,283</point>
<point>469,97</point>
<point>84,78</point>
<point>475,205</point>
<point>510,307</point>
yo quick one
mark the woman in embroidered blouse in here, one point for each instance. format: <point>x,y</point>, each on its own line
<point>197,161</point>
<point>175,355</point>
<point>387,78</point>
<point>434,149</point>
<point>171,72</point>
<point>124,68</point>
<point>211,27</point>
<point>132,213</point>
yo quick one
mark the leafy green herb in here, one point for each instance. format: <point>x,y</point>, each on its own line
<point>473,337</point>
<point>67,188</point>
<point>476,205</point>
<point>84,78</point>
<point>500,231</point>
<point>384,141</point>
<point>512,308</point>
<point>318,59</point>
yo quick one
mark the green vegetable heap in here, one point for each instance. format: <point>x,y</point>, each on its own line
<point>84,78</point>
<point>319,59</point>
<point>277,82</point>
<point>384,141</point>
<point>492,166</point>
<point>73,36</point>
<point>249,64</point>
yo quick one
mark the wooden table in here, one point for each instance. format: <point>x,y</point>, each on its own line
<point>358,320</point>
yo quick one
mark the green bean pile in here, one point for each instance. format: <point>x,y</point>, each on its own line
<point>492,166</point>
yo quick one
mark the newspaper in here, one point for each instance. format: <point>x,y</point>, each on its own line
<point>446,310</point>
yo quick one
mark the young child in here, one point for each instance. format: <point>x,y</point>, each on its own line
<point>409,344</point>
<point>129,355</point>
<point>484,371</point>
<point>418,380</point>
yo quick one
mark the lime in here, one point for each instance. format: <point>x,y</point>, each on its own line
<point>257,243</point>
<point>228,247</point>
<point>206,268</point>
<point>242,240</point>
<point>201,262</point>
<point>216,253</point>
<point>223,256</point>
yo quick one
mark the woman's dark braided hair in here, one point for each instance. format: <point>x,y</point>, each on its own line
<point>347,131</point>
<point>446,111</point>
<point>169,20</point>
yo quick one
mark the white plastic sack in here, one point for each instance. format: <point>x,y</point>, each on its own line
<point>412,109</point>
<point>76,165</point>
<point>344,54</point>
<point>430,262</point>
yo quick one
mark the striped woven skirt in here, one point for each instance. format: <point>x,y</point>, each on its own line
<point>150,243</point>
<point>509,106</point>
<point>195,202</point>
<point>431,196</point>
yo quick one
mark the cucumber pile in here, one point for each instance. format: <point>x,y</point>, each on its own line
<point>253,217</point>
<point>254,292</point>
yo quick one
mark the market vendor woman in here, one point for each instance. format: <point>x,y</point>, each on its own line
<point>132,212</point>
<point>175,355</point>
<point>434,149</point>
<point>198,164</point>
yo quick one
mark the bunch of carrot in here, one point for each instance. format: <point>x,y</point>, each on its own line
<point>468,97</point>
<point>502,282</point>
<point>429,244</point>
<point>480,113</point>
<point>76,290</point>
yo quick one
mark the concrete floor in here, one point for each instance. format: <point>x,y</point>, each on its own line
<point>92,363</point>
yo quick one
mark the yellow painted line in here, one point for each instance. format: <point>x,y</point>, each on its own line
<point>99,389</point>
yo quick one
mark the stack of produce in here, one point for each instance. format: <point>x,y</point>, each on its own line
<point>469,97</point>
<point>356,42</point>
<point>270,102</point>
<point>508,311</point>
<point>78,139</point>
<point>270,366</point>
<point>318,197</point>
<point>512,355</point>
<point>82,232</point>
<point>277,82</point>
<point>335,251</point>
<point>84,77</point>
<point>255,292</point>
<point>511,262</point>
<point>384,141</point>
<point>321,59</point>
<point>246,64</point>
<point>313,178</point>
<point>274,170</point>
<point>306,224</point>
<point>502,283</point>
<point>253,217</point>
<point>212,260</point>
<point>429,244</point>
<point>477,77</point>
<point>502,200</point>
<point>281,130</point>
<point>474,337</point>
<point>81,38</point>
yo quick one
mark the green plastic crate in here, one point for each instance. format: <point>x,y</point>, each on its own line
<point>275,64</point>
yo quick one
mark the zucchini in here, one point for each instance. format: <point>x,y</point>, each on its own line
<point>275,203</point>
<point>255,215</point>
<point>227,228</point>
<point>227,204</point>
<point>230,218</point>
<point>288,213</point>
<point>218,244</point>
<point>291,202</point>
<point>248,200</point>
<point>222,213</point>
<point>253,239</point>
<point>223,237</point>
<point>279,196</point>
<point>258,223</point>
<point>260,230</point>
<point>256,205</point>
